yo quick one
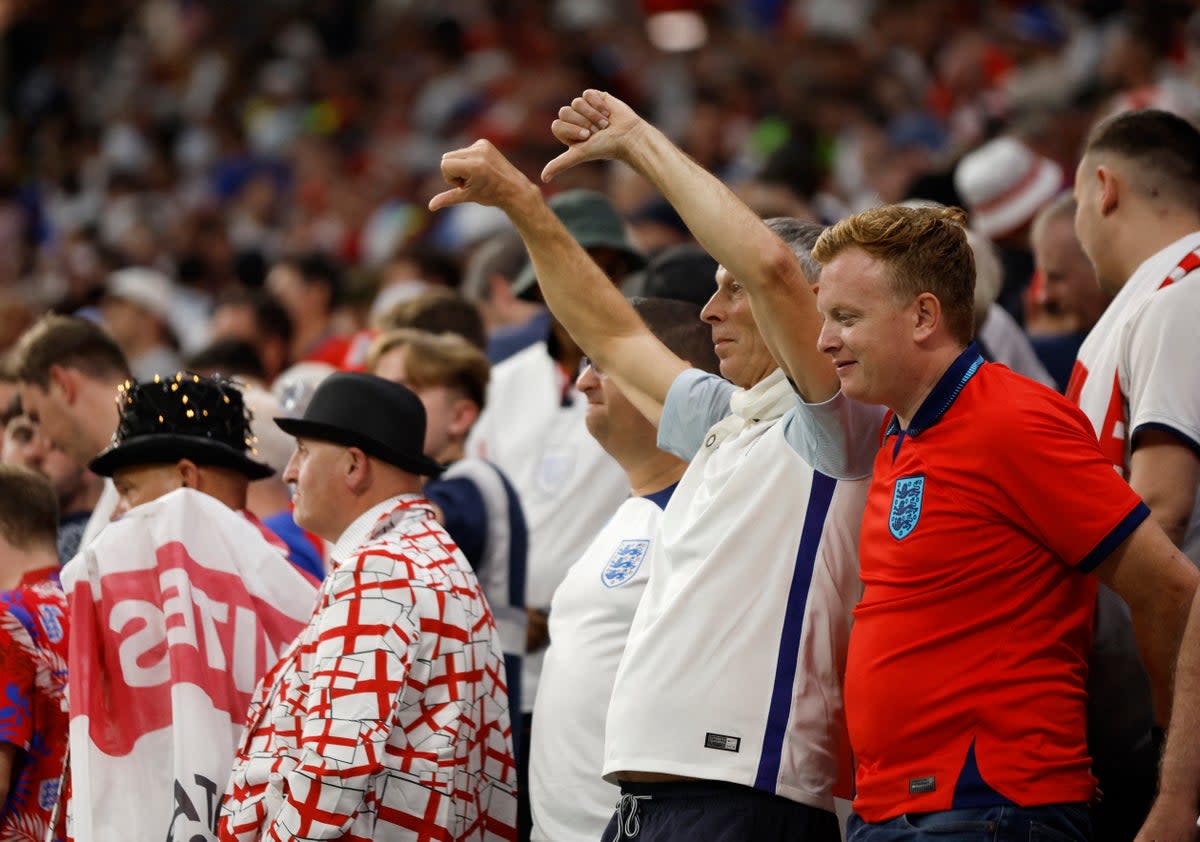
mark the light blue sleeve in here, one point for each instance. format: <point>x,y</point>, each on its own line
<point>838,437</point>
<point>695,401</point>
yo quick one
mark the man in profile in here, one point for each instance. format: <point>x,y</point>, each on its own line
<point>387,718</point>
<point>67,371</point>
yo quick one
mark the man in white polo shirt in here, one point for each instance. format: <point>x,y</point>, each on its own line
<point>726,720</point>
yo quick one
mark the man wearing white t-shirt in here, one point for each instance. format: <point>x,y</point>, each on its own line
<point>726,719</point>
<point>1138,220</point>
<point>594,606</point>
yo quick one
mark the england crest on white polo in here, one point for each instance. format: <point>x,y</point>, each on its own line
<point>625,562</point>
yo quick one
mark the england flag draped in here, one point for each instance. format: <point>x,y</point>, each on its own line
<point>176,611</point>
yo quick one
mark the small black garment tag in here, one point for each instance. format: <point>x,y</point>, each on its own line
<point>722,742</point>
<point>920,786</point>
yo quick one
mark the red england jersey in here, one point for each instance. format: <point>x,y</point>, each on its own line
<point>968,658</point>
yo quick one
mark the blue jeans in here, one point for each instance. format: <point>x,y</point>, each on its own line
<point>1047,823</point>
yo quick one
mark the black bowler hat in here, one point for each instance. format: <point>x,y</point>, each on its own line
<point>384,419</point>
<point>182,417</point>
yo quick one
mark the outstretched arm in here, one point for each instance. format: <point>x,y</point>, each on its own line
<point>576,290</point>
<point>597,125</point>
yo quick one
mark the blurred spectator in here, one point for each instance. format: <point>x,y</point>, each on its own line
<point>255,316</point>
<point>438,311</point>
<point>656,226</point>
<point>76,488</point>
<point>999,336</point>
<point>488,278</point>
<point>684,273</point>
<point>1003,184</point>
<point>268,498</point>
<point>410,272</point>
<point>309,288</point>
<point>477,504</point>
<point>231,359</point>
<point>1071,298</point>
<point>136,311</point>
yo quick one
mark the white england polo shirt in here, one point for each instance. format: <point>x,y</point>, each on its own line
<point>589,622</point>
<point>533,429</point>
<point>733,667</point>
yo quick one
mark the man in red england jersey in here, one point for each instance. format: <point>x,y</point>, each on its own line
<point>965,685</point>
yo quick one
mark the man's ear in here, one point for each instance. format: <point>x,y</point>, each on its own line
<point>1110,190</point>
<point>67,382</point>
<point>357,470</point>
<point>927,315</point>
<point>188,473</point>
<point>463,415</point>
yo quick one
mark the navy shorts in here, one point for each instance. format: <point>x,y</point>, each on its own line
<point>714,811</point>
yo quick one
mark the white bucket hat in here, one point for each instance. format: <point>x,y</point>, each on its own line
<point>1004,184</point>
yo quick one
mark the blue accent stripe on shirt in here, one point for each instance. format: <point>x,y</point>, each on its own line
<point>1119,533</point>
<point>971,790</point>
<point>661,497</point>
<point>819,498</point>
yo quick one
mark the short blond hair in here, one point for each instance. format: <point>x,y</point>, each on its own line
<point>444,359</point>
<point>925,250</point>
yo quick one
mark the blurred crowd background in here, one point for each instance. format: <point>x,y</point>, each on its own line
<point>209,140</point>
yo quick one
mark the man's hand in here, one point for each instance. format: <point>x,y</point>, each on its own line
<point>480,173</point>
<point>596,126</point>
<point>1171,819</point>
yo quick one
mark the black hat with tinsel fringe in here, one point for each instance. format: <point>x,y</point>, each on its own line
<point>182,417</point>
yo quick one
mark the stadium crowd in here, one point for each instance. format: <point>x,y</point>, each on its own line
<point>575,420</point>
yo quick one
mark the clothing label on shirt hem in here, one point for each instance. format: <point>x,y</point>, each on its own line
<point>722,742</point>
<point>920,786</point>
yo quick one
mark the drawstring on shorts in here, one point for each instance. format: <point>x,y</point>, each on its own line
<point>628,825</point>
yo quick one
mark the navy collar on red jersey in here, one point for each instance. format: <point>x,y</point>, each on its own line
<point>943,393</point>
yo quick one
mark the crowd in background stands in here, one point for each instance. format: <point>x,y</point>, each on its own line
<point>209,140</point>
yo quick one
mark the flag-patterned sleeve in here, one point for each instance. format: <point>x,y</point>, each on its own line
<point>366,632</point>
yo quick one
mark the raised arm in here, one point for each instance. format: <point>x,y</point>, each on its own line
<point>576,290</point>
<point>597,125</point>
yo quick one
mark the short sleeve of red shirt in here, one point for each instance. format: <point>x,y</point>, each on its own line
<point>16,682</point>
<point>1083,519</point>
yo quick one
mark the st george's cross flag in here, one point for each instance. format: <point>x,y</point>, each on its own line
<point>176,611</point>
